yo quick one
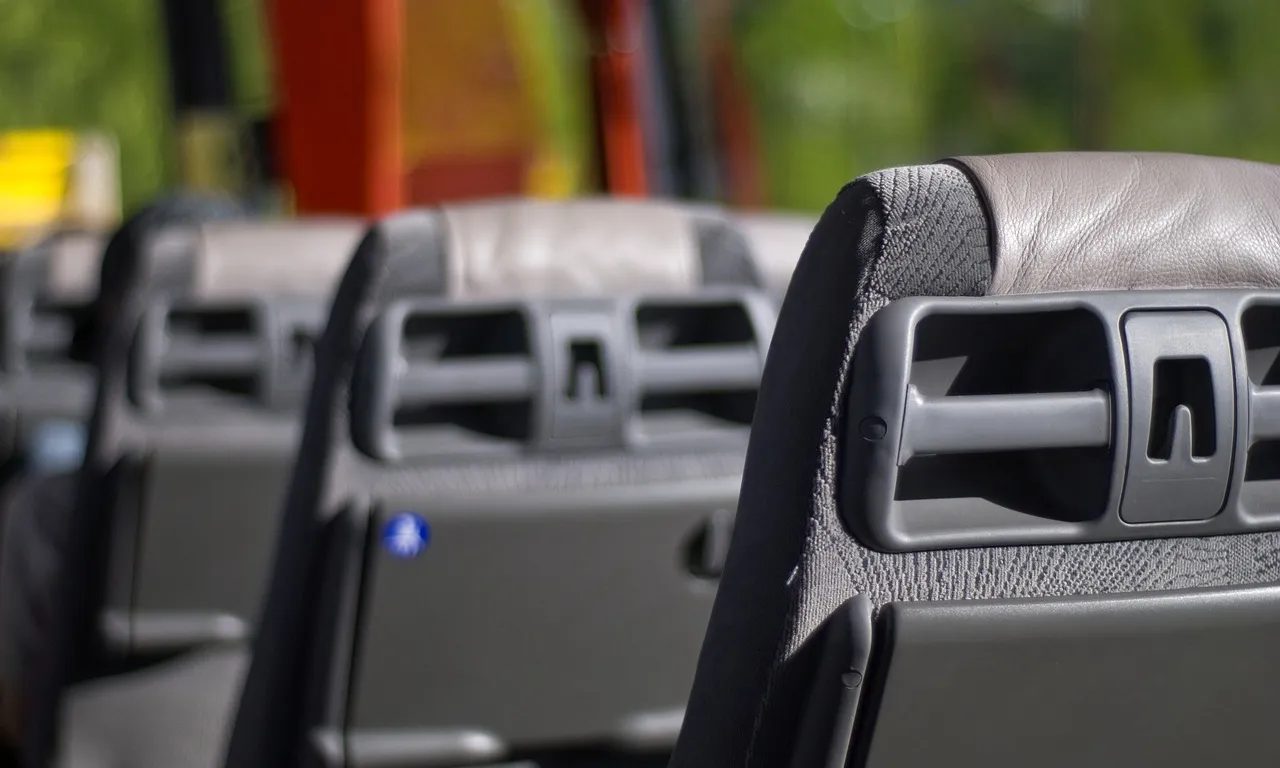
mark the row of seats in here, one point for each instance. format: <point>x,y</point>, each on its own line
<point>1009,497</point>
<point>562,390</point>
<point>223,256</point>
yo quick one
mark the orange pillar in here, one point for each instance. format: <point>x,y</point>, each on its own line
<point>617,69</point>
<point>736,130</point>
<point>338,70</point>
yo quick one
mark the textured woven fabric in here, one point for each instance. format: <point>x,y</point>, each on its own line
<point>898,233</point>
<point>552,473</point>
<point>844,275</point>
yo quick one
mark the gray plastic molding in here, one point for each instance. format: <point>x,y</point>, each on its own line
<point>258,349</point>
<point>1066,418</point>
<point>474,378</point>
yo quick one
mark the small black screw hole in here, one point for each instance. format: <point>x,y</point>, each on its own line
<point>872,428</point>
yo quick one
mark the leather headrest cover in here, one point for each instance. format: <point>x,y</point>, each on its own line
<point>1091,221</point>
<point>74,260</point>
<point>237,259</point>
<point>586,247</point>
<point>777,240</point>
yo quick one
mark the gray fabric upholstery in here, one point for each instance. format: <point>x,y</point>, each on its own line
<point>175,715</point>
<point>923,231</point>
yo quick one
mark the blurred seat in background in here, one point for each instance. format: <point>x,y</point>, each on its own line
<point>45,374</point>
<point>591,246</point>
<point>210,466</point>
<point>46,381</point>
<point>174,546</point>
<point>573,541</point>
<point>776,241</point>
<point>56,563</point>
<point>206,430</point>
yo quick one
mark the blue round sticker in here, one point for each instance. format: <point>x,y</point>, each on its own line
<point>406,535</point>
<point>56,445</point>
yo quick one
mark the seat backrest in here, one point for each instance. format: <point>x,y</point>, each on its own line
<point>45,379</point>
<point>268,719</point>
<point>171,592</point>
<point>585,471</point>
<point>47,325</point>
<point>1067,566</point>
<point>330,473</point>
<point>127,275</point>
<point>208,426</point>
<point>44,286</point>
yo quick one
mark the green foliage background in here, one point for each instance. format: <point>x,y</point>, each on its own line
<point>101,64</point>
<point>89,64</point>
<point>848,86</point>
<point>841,86</point>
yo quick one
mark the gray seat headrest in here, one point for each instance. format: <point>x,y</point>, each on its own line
<point>73,261</point>
<point>1076,221</point>
<point>306,256</point>
<point>578,247</point>
<point>776,241</point>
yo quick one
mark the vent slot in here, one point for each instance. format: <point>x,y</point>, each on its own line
<point>1182,382</point>
<point>469,373</point>
<point>221,323</point>
<point>961,364</point>
<point>698,367</point>
<point>587,375</point>
<point>301,347</point>
<point>215,349</point>
<point>60,332</point>
<point>291,329</point>
<point>1260,493</point>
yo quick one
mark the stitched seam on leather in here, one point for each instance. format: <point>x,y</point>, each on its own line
<point>984,202</point>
